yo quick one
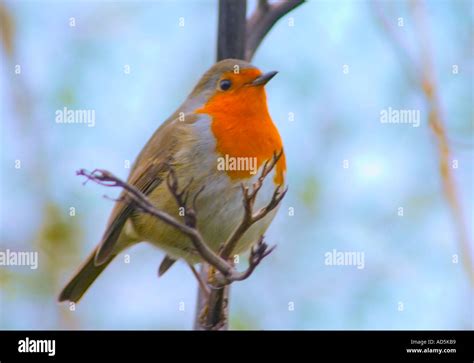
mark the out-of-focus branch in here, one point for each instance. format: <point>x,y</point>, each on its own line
<point>436,122</point>
<point>401,47</point>
<point>262,20</point>
<point>424,76</point>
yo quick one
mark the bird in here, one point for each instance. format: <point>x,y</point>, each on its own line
<point>219,138</point>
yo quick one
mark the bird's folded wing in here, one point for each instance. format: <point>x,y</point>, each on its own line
<point>148,172</point>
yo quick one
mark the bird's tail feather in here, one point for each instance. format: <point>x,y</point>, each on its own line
<point>81,281</point>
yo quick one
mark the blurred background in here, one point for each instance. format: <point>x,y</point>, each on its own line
<point>341,64</point>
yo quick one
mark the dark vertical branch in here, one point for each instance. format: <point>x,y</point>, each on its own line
<point>231,32</point>
<point>237,38</point>
<point>230,44</point>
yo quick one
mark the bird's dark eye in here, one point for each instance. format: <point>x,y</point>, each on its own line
<point>225,84</point>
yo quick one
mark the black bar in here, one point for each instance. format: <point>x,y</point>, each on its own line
<point>259,345</point>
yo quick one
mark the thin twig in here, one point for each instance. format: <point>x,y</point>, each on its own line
<point>140,201</point>
<point>202,283</point>
<point>257,254</point>
<point>248,199</point>
<point>228,273</point>
<point>212,315</point>
<point>262,20</point>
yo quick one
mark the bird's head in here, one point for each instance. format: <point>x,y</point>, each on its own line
<point>232,85</point>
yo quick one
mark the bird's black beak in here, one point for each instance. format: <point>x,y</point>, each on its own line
<point>263,79</point>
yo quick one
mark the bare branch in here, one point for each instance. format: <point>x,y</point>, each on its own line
<point>257,254</point>
<point>227,273</point>
<point>262,20</point>
<point>140,201</point>
<point>263,5</point>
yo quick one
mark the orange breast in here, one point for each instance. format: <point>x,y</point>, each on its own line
<point>243,128</point>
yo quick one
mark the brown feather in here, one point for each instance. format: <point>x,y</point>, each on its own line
<point>147,173</point>
<point>165,265</point>
<point>81,281</point>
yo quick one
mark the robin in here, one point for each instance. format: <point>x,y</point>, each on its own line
<point>219,138</point>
